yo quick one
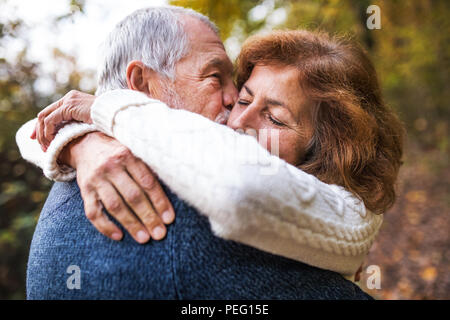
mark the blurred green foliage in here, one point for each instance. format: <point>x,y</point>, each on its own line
<point>411,53</point>
<point>23,188</point>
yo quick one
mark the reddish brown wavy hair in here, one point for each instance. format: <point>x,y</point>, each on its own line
<point>357,141</point>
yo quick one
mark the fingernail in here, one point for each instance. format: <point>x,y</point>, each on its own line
<point>167,216</point>
<point>116,236</point>
<point>158,233</point>
<point>142,236</point>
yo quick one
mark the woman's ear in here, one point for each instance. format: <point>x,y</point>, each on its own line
<point>141,78</point>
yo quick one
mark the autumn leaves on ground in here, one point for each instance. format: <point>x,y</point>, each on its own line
<point>412,248</point>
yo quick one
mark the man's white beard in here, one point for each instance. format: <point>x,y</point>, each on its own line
<point>222,117</point>
<point>172,98</point>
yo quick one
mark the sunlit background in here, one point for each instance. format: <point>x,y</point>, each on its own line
<point>49,47</point>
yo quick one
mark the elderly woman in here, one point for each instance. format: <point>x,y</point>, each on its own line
<point>339,153</point>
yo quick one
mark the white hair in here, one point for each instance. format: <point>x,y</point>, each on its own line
<point>154,36</point>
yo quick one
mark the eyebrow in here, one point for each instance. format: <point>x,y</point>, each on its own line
<point>268,100</point>
<point>218,63</point>
<point>250,92</point>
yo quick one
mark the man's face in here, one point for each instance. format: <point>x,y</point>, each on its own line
<point>203,79</point>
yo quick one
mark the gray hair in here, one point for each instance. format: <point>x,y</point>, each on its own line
<point>154,36</point>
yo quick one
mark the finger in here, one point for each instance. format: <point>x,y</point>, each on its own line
<point>114,204</point>
<point>39,133</point>
<point>51,122</point>
<point>50,108</point>
<point>139,203</point>
<point>147,180</point>
<point>93,210</point>
<point>41,117</point>
<point>33,134</point>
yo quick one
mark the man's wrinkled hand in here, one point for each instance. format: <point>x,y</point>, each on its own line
<point>110,176</point>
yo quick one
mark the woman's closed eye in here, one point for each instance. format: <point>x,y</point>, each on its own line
<point>243,102</point>
<point>274,121</point>
<point>268,115</point>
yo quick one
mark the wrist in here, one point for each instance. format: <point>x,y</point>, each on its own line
<point>82,148</point>
<point>71,153</point>
<point>65,157</point>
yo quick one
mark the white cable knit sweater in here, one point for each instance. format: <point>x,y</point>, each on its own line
<point>248,195</point>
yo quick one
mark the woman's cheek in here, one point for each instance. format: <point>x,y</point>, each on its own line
<point>290,147</point>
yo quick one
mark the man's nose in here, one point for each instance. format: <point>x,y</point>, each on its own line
<point>230,96</point>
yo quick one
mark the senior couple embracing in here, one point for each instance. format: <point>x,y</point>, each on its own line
<point>163,192</point>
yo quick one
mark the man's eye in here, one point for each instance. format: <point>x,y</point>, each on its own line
<point>215,75</point>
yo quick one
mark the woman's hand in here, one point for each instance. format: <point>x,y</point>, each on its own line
<point>110,176</point>
<point>74,106</point>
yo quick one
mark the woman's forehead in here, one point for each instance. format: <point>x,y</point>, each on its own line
<point>281,83</point>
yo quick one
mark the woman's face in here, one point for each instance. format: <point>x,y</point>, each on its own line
<point>272,99</point>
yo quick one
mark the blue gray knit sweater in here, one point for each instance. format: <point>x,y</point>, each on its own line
<point>190,263</point>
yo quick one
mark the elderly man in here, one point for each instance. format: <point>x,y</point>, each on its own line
<point>69,259</point>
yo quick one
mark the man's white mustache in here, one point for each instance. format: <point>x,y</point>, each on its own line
<point>222,117</point>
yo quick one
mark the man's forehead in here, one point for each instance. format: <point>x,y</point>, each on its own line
<point>205,44</point>
<point>199,33</point>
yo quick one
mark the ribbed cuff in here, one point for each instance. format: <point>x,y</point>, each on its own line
<point>107,105</point>
<point>53,170</point>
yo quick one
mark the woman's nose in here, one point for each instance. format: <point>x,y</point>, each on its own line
<point>242,118</point>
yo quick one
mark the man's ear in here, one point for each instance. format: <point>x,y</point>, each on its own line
<point>141,78</point>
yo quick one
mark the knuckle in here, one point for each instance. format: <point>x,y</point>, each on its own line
<point>134,196</point>
<point>99,169</point>
<point>85,186</point>
<point>160,204</point>
<point>151,220</point>
<point>129,223</point>
<point>122,153</point>
<point>91,214</point>
<point>113,205</point>
<point>47,121</point>
<point>70,99</point>
<point>103,166</point>
<point>148,181</point>
<point>72,94</point>
<point>70,105</point>
<point>114,160</point>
